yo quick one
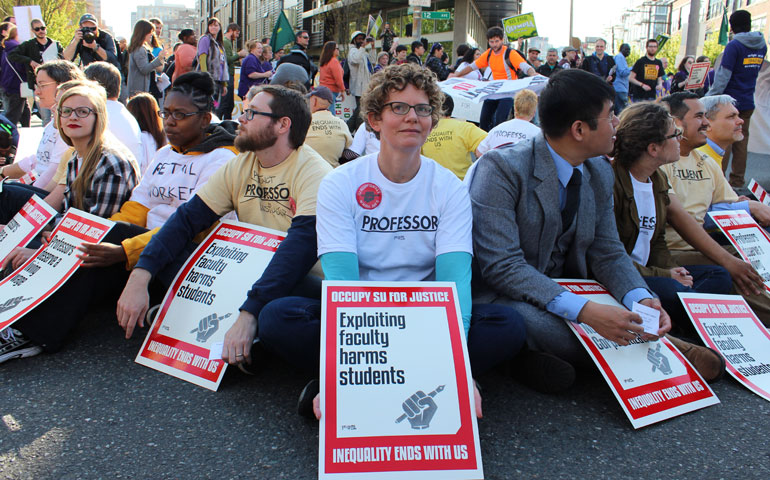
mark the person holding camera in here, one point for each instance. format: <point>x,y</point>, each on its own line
<point>91,44</point>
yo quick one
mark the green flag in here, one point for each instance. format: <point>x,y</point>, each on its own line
<point>724,29</point>
<point>283,33</point>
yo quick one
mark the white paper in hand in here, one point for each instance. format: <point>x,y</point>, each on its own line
<point>650,317</point>
<point>216,351</point>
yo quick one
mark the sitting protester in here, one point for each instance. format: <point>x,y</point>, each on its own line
<point>401,107</point>
<point>328,135</point>
<point>195,146</point>
<point>270,138</point>
<point>646,139</point>
<point>144,108</point>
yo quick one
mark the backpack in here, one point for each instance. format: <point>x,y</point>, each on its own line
<point>506,57</point>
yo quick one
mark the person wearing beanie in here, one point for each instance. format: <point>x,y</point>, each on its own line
<point>737,75</point>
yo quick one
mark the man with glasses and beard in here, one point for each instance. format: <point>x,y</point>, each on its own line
<point>92,44</point>
<point>273,183</point>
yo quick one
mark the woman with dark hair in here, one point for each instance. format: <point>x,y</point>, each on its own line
<point>195,146</point>
<point>252,69</point>
<point>436,64</point>
<point>144,108</point>
<point>12,75</point>
<point>646,139</point>
<point>401,106</point>
<point>142,65</point>
<point>470,56</point>
<point>683,73</point>
<point>331,73</point>
<point>211,56</point>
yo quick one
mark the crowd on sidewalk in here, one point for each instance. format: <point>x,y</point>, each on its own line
<point>607,174</point>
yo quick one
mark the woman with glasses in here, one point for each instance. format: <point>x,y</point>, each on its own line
<point>646,139</point>
<point>196,150</point>
<point>142,64</point>
<point>399,216</point>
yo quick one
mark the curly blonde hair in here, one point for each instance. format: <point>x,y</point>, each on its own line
<point>640,125</point>
<point>395,78</point>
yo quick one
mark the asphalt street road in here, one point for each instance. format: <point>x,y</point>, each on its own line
<point>90,412</point>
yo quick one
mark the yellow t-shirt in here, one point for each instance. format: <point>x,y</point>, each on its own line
<point>451,143</point>
<point>329,136</point>
<point>697,182</point>
<point>269,197</point>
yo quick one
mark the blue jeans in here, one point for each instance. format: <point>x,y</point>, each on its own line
<point>334,103</point>
<point>290,328</point>
<point>705,279</point>
<point>494,112</point>
<point>621,102</point>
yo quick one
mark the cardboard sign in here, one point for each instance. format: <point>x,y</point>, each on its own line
<point>466,109</point>
<point>520,26</point>
<point>759,192</point>
<point>396,388</point>
<point>344,109</point>
<point>698,73</point>
<point>24,226</point>
<point>651,380</point>
<point>24,16</point>
<point>203,302</point>
<point>49,267</point>
<point>751,240</point>
<point>477,91</point>
<point>727,324</point>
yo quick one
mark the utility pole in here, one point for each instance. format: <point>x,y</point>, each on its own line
<point>571,11</point>
<point>693,28</point>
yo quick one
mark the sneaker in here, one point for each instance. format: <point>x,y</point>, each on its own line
<point>543,372</point>
<point>708,362</point>
<point>13,344</point>
<point>305,402</point>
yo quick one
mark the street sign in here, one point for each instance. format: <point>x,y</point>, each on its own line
<point>435,15</point>
<point>420,3</point>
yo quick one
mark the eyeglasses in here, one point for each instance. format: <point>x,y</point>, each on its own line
<point>80,112</point>
<point>401,108</point>
<point>678,133</point>
<point>177,115</point>
<point>250,112</point>
<point>45,84</point>
<point>305,37</point>
<point>37,29</point>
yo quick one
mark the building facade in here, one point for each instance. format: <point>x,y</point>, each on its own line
<point>175,18</point>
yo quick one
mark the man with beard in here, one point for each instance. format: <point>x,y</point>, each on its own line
<point>361,60</point>
<point>551,63</point>
<point>697,186</point>
<point>647,74</point>
<point>273,183</point>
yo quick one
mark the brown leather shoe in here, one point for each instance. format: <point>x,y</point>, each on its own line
<point>707,361</point>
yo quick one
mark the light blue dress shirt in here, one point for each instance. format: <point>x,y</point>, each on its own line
<point>567,304</point>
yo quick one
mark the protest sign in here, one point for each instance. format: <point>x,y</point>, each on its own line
<point>697,77</point>
<point>751,240</point>
<point>520,26</point>
<point>49,267</point>
<point>727,324</point>
<point>344,109</point>
<point>759,192</point>
<point>203,302</point>
<point>24,226</point>
<point>396,389</point>
<point>24,15</point>
<point>477,90</point>
<point>466,109</point>
<point>651,380</point>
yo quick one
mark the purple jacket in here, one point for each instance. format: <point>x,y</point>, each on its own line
<point>8,79</point>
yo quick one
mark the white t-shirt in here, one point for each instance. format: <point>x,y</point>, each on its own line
<point>396,229</point>
<point>150,147</point>
<point>645,207</point>
<point>364,141</point>
<point>472,75</point>
<point>46,160</point>
<point>512,131</point>
<point>172,179</point>
<point>125,128</point>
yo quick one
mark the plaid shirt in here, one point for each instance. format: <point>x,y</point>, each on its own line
<point>111,185</point>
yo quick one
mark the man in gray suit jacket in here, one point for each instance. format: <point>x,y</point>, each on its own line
<point>542,209</point>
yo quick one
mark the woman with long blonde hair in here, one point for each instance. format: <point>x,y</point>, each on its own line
<point>100,173</point>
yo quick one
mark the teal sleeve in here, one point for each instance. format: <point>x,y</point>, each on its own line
<point>340,266</point>
<point>456,267</point>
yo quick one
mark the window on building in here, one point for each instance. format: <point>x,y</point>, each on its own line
<point>758,24</point>
<point>715,8</point>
